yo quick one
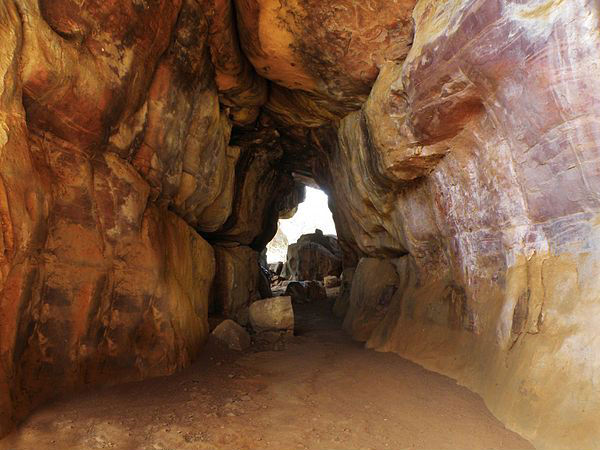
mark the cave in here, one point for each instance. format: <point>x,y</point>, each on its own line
<point>149,149</point>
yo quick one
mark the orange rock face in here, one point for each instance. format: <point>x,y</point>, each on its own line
<point>236,285</point>
<point>491,115</point>
<point>98,282</point>
<point>114,154</point>
<point>332,48</point>
<point>458,142</point>
<point>241,88</point>
<point>327,53</point>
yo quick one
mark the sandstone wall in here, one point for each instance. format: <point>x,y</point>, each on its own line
<point>458,141</point>
<point>115,157</point>
<point>237,282</point>
<point>477,158</point>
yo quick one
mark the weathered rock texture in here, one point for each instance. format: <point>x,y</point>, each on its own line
<point>313,257</point>
<point>272,314</point>
<point>458,142</point>
<point>323,56</point>
<point>115,160</point>
<point>237,281</point>
<point>232,334</point>
<point>373,286</point>
<point>492,117</point>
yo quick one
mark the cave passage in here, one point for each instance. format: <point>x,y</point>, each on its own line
<point>297,382</point>
<point>303,383</point>
<point>312,213</point>
<point>304,259</point>
<point>150,150</point>
<point>314,391</point>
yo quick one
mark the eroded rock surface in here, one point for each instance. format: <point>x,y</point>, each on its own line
<point>373,286</point>
<point>233,335</point>
<point>324,56</point>
<point>115,157</point>
<point>458,142</point>
<point>236,284</point>
<point>272,314</point>
<point>505,224</point>
<point>313,257</point>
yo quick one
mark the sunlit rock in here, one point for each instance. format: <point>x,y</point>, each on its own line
<point>272,314</point>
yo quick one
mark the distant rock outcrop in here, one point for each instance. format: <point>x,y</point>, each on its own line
<point>313,257</point>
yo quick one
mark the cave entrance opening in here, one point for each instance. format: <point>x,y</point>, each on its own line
<point>312,214</point>
<point>304,258</point>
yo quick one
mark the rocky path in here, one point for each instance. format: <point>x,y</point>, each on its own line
<point>318,390</point>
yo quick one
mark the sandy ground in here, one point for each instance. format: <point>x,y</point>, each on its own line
<point>317,390</point>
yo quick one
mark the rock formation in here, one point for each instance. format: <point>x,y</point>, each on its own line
<point>236,283</point>
<point>305,291</point>
<point>500,235</point>
<point>232,334</point>
<point>272,314</point>
<point>116,166</point>
<point>373,287</point>
<point>148,148</point>
<point>313,257</point>
<point>277,248</point>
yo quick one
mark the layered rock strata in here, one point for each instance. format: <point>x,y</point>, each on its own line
<point>491,116</point>
<point>458,142</point>
<point>116,166</point>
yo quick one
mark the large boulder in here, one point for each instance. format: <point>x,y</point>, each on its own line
<point>272,314</point>
<point>237,281</point>
<point>233,335</point>
<point>313,257</point>
<point>326,240</point>
<point>373,286</point>
<point>342,302</point>
<point>305,291</point>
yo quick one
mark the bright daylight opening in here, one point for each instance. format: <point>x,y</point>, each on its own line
<point>312,214</point>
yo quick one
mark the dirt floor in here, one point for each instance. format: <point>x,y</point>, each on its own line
<point>317,390</point>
